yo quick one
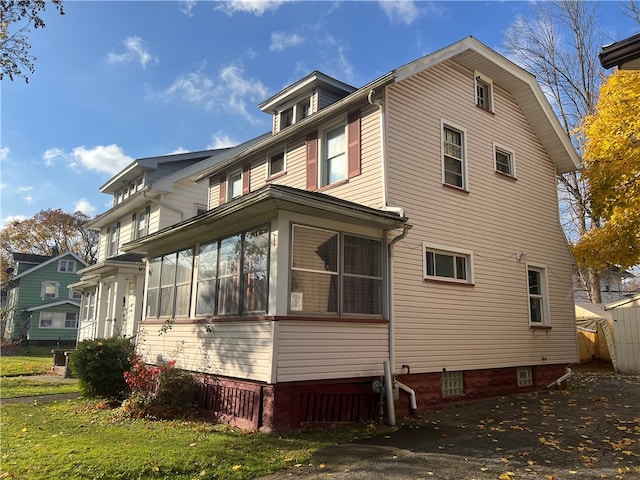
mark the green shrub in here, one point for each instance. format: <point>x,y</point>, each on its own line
<point>100,366</point>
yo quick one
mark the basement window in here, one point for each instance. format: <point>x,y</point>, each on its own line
<point>452,383</point>
<point>525,376</point>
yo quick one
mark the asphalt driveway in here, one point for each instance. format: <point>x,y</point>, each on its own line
<point>591,430</point>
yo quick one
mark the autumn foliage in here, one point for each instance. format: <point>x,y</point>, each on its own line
<point>612,166</point>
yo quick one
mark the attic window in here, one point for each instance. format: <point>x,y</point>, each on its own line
<point>286,118</point>
<point>484,92</point>
<point>303,109</point>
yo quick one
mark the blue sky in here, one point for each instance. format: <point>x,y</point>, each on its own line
<point>116,81</point>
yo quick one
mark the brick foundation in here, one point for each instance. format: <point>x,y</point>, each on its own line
<point>291,406</point>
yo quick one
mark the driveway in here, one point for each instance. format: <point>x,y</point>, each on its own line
<point>591,430</point>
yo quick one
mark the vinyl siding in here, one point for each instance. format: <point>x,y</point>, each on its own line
<point>483,326</point>
<point>365,188</point>
<point>234,349</point>
<point>322,350</point>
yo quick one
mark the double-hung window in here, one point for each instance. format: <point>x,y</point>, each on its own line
<point>113,239</point>
<point>58,320</point>
<point>232,274</point>
<point>49,289</point>
<point>453,157</point>
<point>235,185</point>
<point>169,290</point>
<point>443,263</point>
<point>538,295</point>
<point>504,161</point>
<point>484,92</point>
<point>335,273</point>
<point>334,155</point>
<point>276,164</point>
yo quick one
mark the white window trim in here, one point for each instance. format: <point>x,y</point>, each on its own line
<point>67,262</point>
<point>486,80</point>
<point>525,376</point>
<point>322,160</point>
<point>43,289</point>
<point>546,315</point>
<point>284,163</point>
<point>446,249</point>
<point>465,182</point>
<point>230,184</point>
<point>503,148</point>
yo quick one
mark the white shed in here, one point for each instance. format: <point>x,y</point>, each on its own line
<point>626,333</point>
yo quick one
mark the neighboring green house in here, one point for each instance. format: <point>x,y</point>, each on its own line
<point>41,309</point>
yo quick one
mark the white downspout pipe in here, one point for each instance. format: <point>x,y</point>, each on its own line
<point>564,377</point>
<point>388,388</point>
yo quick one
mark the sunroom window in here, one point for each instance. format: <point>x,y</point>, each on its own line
<point>335,273</point>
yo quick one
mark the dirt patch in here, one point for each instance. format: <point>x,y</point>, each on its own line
<point>591,430</point>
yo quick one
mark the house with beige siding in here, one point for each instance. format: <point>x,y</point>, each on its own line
<point>149,195</point>
<point>407,227</point>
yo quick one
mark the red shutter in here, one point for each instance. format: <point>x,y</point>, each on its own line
<point>223,190</point>
<point>312,161</point>
<point>246,178</point>
<point>353,151</point>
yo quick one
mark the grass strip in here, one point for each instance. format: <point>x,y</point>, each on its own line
<point>14,387</point>
<point>80,439</point>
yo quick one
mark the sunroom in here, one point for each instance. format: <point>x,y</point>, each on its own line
<point>279,287</point>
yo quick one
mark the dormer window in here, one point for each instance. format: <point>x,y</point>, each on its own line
<point>286,118</point>
<point>295,113</point>
<point>484,92</point>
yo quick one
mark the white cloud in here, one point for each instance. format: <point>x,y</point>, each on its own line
<point>194,87</point>
<point>229,91</point>
<point>28,199</point>
<point>107,159</point>
<point>23,189</point>
<point>403,11</point>
<point>280,41</point>
<point>4,153</point>
<point>134,50</point>
<point>178,151</point>
<point>85,207</point>
<point>187,6</point>
<point>221,140</point>
<point>337,65</point>
<point>51,155</point>
<point>253,7</point>
<point>11,219</point>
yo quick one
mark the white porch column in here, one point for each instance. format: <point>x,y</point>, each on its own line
<point>101,313</point>
<point>118,297</point>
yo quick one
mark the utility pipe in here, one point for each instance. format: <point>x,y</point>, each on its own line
<point>412,397</point>
<point>388,388</point>
<point>562,378</point>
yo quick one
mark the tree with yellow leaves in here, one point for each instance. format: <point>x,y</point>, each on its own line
<point>612,167</point>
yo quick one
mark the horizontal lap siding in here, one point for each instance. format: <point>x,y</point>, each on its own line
<point>484,326</point>
<point>241,349</point>
<point>186,194</point>
<point>317,350</point>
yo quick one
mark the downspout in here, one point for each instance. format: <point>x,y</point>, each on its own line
<point>389,367</point>
<point>162,204</point>
<point>564,377</point>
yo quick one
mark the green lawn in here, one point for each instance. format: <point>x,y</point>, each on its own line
<point>78,439</point>
<point>25,360</point>
<point>12,387</point>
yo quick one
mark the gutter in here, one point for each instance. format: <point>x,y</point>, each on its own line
<point>298,127</point>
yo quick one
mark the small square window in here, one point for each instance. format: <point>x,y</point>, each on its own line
<point>504,161</point>
<point>452,383</point>
<point>525,376</point>
<point>71,320</point>
<point>276,163</point>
